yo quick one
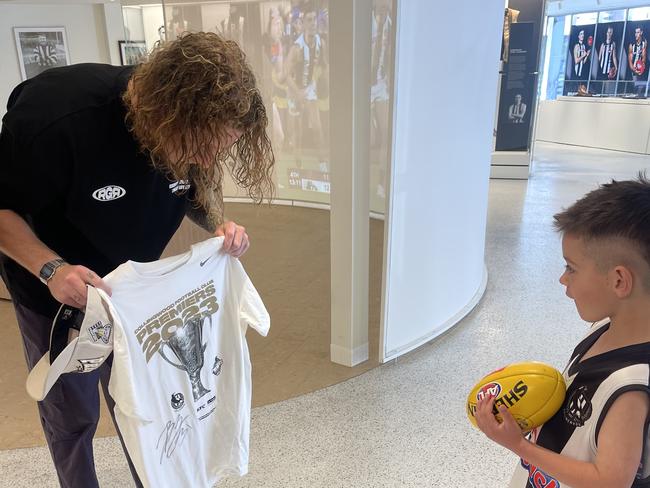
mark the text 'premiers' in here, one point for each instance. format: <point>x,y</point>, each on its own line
<point>161,326</point>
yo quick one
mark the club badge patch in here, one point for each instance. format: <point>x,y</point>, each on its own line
<point>178,400</point>
<point>578,409</point>
<point>100,331</point>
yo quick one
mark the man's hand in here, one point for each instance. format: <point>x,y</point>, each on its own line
<point>236,241</point>
<point>68,285</point>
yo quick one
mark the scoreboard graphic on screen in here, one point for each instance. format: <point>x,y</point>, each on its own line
<point>309,180</point>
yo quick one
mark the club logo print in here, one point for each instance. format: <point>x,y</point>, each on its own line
<point>578,408</point>
<point>100,332</point>
<point>108,193</point>
<point>177,401</point>
<point>216,368</point>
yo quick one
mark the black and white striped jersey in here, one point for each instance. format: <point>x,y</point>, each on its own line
<point>45,54</point>
<point>582,50</point>
<point>606,61</point>
<point>592,387</point>
<point>637,53</point>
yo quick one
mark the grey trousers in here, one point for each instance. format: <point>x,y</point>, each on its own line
<point>70,411</point>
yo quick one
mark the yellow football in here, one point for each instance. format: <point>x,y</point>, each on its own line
<point>533,392</point>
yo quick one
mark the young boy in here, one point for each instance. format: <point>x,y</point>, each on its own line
<point>599,437</point>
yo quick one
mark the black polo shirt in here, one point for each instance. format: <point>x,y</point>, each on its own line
<point>70,167</point>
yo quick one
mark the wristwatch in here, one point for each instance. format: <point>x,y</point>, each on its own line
<point>47,271</point>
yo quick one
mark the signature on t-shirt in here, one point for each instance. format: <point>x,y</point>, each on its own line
<point>172,436</point>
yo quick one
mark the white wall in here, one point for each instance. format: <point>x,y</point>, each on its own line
<point>443,121</point>
<point>85,43</point>
<point>606,123</point>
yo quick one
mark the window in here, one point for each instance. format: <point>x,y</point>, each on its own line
<point>600,54</point>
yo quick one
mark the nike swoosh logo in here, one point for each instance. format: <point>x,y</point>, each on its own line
<point>203,262</point>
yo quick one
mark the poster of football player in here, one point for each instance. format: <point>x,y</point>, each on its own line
<point>579,57</point>
<point>517,88</point>
<point>517,110</point>
<point>40,48</point>
<point>607,57</point>
<point>635,58</point>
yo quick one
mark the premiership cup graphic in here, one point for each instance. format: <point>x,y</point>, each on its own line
<point>187,345</point>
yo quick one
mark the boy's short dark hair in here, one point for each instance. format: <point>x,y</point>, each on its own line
<point>616,210</point>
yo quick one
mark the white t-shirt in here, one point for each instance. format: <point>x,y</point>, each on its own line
<point>181,376</point>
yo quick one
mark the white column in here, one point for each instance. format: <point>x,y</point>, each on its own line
<point>445,84</point>
<point>350,136</point>
<point>102,36</point>
<point>114,30</point>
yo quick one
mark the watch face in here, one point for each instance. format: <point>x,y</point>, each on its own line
<point>48,269</point>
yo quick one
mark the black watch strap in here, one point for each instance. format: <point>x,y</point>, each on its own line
<point>49,268</point>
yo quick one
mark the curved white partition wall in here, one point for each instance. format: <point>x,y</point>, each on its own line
<point>446,79</point>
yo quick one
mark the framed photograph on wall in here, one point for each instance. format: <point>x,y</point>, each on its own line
<point>40,48</point>
<point>132,52</point>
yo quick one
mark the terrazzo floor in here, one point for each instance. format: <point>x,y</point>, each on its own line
<point>403,424</point>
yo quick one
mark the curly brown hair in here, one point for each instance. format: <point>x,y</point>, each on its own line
<point>191,94</point>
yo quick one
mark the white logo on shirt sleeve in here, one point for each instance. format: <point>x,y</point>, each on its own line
<point>179,186</point>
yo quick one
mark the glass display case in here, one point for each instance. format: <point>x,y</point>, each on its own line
<point>287,44</point>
